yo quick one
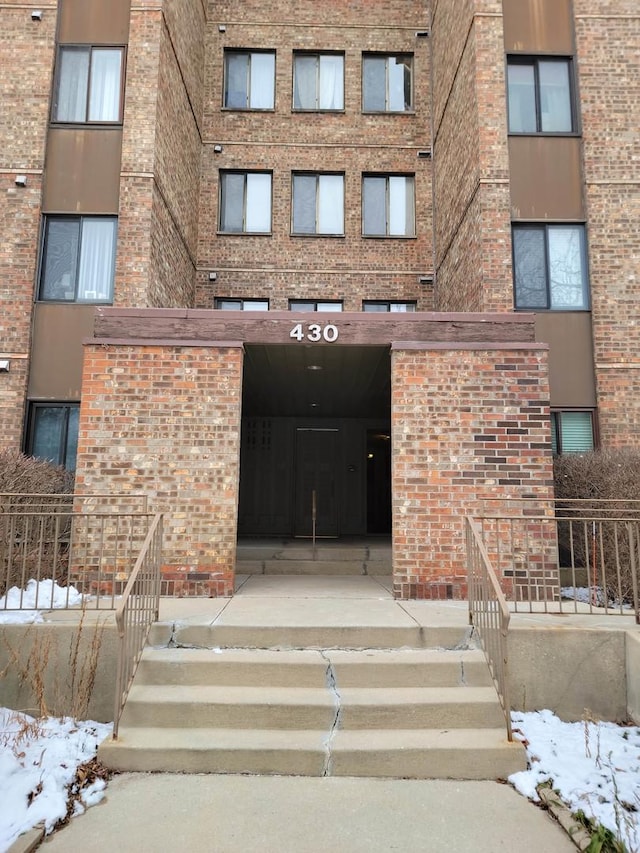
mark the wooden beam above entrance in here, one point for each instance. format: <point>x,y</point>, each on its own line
<point>174,326</point>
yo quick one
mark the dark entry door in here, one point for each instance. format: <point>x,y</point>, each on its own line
<point>316,459</point>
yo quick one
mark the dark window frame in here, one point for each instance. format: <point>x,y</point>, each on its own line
<point>317,175</point>
<point>535,60</point>
<point>239,51</point>
<point>387,176</point>
<point>57,81</point>
<point>387,55</point>
<point>317,54</point>
<point>47,218</point>
<point>315,303</point>
<point>245,304</point>
<point>545,228</point>
<point>63,447</point>
<point>388,303</point>
<point>556,428</point>
<point>245,173</point>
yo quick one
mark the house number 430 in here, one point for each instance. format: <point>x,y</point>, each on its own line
<point>314,332</point>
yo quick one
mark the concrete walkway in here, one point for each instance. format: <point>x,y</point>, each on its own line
<point>240,814</point>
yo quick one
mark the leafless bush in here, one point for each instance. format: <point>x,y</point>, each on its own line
<point>31,545</point>
<point>611,475</point>
<point>24,477</point>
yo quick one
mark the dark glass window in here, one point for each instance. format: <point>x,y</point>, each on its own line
<point>388,206</point>
<point>78,259</point>
<point>572,432</point>
<point>387,83</point>
<point>249,80</point>
<point>245,202</point>
<point>550,267</point>
<point>53,433</point>
<point>88,85</point>
<point>540,95</point>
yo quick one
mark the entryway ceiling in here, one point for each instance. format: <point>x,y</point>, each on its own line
<point>284,381</point>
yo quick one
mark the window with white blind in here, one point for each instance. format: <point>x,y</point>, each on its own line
<point>249,80</point>
<point>318,81</point>
<point>230,304</point>
<point>78,259</point>
<point>572,432</point>
<point>245,202</point>
<point>540,95</point>
<point>314,305</point>
<point>379,306</point>
<point>88,87</point>
<point>387,83</point>
<point>388,206</point>
<point>318,204</point>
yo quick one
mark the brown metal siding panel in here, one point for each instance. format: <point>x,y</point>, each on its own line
<point>571,368</point>
<point>56,364</point>
<point>94,22</point>
<point>83,170</point>
<point>538,26</point>
<point>546,178</point>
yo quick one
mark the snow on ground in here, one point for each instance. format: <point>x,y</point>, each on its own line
<point>38,762</point>
<point>46,595</point>
<point>594,766</point>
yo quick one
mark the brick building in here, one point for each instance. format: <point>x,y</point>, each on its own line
<point>452,187</point>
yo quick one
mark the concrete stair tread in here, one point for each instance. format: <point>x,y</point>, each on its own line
<point>210,737</point>
<point>229,694</point>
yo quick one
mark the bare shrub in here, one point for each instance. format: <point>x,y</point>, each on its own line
<point>24,477</point>
<point>32,545</point>
<point>611,475</point>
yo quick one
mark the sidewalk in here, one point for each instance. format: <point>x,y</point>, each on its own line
<point>240,814</point>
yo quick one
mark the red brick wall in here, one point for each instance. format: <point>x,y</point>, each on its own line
<point>26,57</point>
<point>467,424</point>
<point>166,421</point>
<point>471,164</point>
<point>608,47</point>
<point>280,266</point>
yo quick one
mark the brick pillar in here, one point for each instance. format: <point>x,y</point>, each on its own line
<point>165,420</point>
<point>468,422</point>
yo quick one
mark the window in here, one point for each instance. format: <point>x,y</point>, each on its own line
<point>88,85</point>
<point>78,259</point>
<point>225,304</point>
<point>550,267</point>
<point>540,97</point>
<point>314,305</point>
<point>318,81</point>
<point>388,208</point>
<point>572,432</point>
<point>53,433</point>
<point>386,83</point>
<point>318,204</point>
<point>249,80</point>
<point>378,307</point>
<point>245,202</point>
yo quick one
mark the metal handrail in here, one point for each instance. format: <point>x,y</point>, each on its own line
<point>135,614</point>
<point>605,546</point>
<point>489,614</point>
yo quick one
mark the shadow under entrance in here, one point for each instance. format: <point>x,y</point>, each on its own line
<point>316,441</point>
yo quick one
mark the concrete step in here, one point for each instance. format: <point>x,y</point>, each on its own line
<point>234,707</point>
<point>208,635</point>
<point>308,668</point>
<point>394,712</point>
<point>428,754</point>
<point>324,552</point>
<point>325,567</point>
